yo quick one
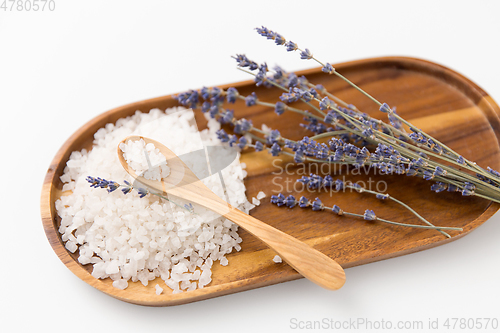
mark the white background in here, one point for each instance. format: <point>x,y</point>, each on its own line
<point>60,69</point>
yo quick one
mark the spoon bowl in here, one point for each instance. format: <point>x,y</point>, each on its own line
<point>183,183</point>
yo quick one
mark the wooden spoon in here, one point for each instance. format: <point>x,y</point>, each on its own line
<point>183,183</point>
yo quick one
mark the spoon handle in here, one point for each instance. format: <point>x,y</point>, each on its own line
<point>309,262</point>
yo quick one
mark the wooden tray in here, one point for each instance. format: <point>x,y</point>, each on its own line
<point>433,97</point>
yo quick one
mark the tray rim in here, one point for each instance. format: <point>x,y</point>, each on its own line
<point>482,99</point>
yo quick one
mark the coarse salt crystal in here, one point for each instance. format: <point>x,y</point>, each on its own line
<point>261,195</point>
<point>277,259</point>
<point>158,289</point>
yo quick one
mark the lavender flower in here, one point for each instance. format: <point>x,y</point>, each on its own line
<point>242,142</point>
<point>251,99</point>
<point>275,149</point>
<point>306,54</point>
<point>222,135</point>
<point>231,95</point>
<point>369,215</point>
<point>259,146</point>
<point>290,201</point>
<point>317,205</point>
<point>328,69</point>
<point>291,46</point>
<point>280,108</point>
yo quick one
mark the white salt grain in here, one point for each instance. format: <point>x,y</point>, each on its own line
<point>158,289</point>
<point>120,284</point>
<point>261,195</point>
<point>277,259</point>
<point>127,238</point>
<point>255,201</point>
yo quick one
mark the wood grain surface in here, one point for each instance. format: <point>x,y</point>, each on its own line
<point>436,99</point>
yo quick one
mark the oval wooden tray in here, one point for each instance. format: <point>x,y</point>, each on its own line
<point>433,97</point>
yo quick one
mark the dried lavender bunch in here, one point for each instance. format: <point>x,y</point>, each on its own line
<point>399,152</point>
<point>485,183</point>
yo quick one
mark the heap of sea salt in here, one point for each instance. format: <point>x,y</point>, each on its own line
<point>145,159</point>
<point>128,238</point>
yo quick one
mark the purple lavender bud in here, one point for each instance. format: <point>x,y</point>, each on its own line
<point>205,107</point>
<point>242,142</point>
<point>142,192</point>
<point>439,171</point>
<point>280,108</point>
<point>299,156</point>
<point>263,31</point>
<point>357,187</point>
<point>227,117</point>
<point>232,140</point>
<point>292,80</point>
<point>339,185</point>
<point>328,68</point>
<point>112,186</point>
<point>275,149</point>
<point>428,175</point>
<point>466,192</point>
<point>325,104</point>
<point>251,99</point>
<point>493,172</point>
<point>279,40</point>
<point>317,205</point>
<point>303,202</point>
<point>420,163</point>
<point>242,126</point>
<point>280,201</point>
<point>369,215</point>
<point>290,97</point>
<point>214,110</point>
<point>306,54</point>
<point>313,92</point>
<point>382,196</point>
<point>439,187</point>
<point>126,190</point>
<point>469,186</point>
<point>460,160</point>
<point>453,188</point>
<point>385,108</point>
<point>330,117</point>
<point>274,199</point>
<point>259,146</point>
<point>328,181</point>
<point>273,137</point>
<point>271,34</point>
<point>260,78</point>
<point>222,135</point>
<point>336,209</point>
<point>252,65</point>
<point>290,201</point>
<point>231,95</point>
<point>291,46</point>
<point>205,93</point>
